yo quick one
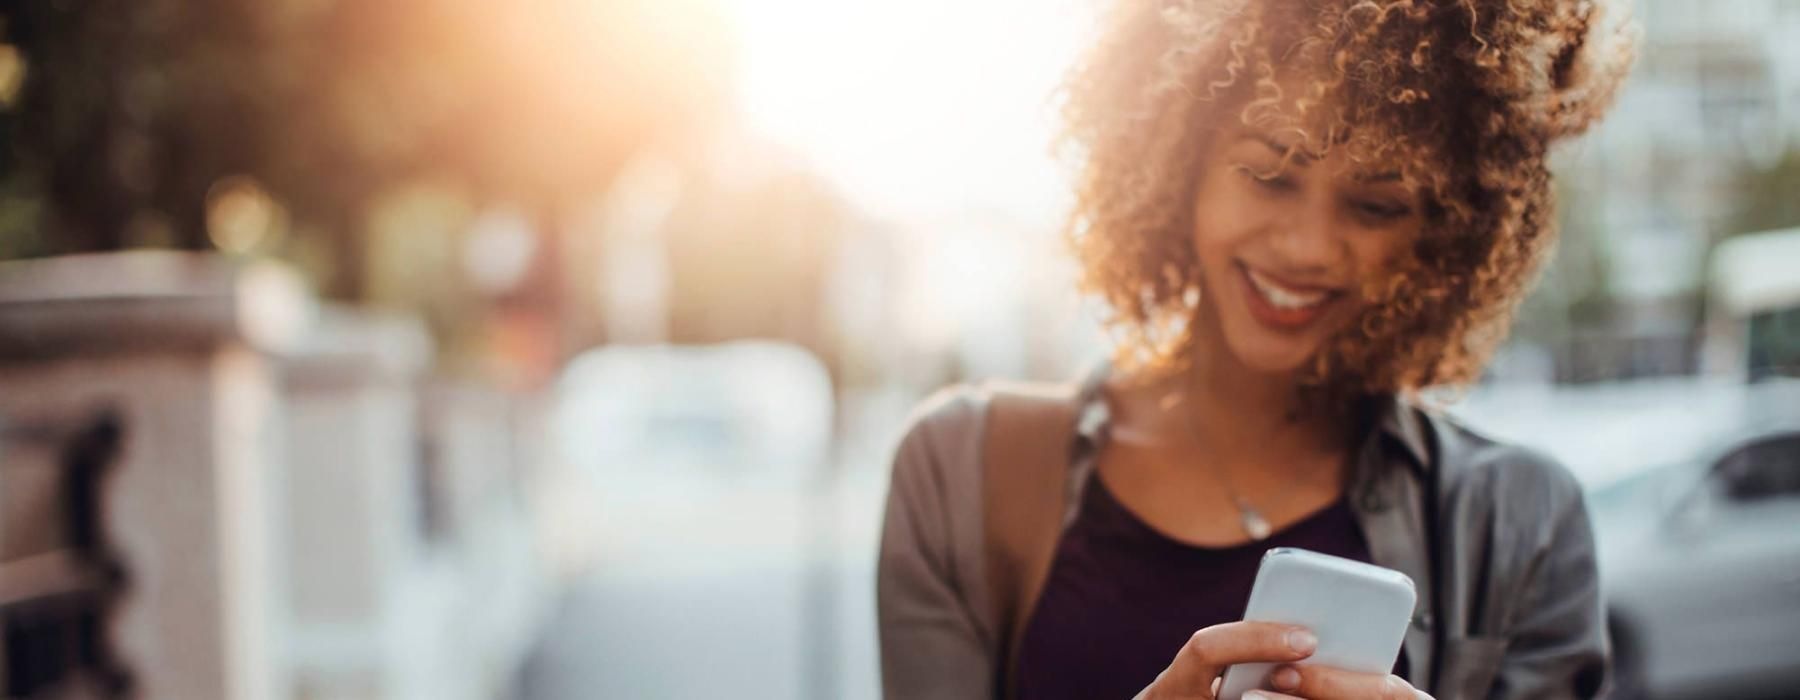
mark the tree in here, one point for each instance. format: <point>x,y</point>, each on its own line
<point>133,110</point>
<point>1768,198</point>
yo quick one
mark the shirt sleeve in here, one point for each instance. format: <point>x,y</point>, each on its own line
<point>932,646</point>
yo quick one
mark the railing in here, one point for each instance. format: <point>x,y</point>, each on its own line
<point>58,583</point>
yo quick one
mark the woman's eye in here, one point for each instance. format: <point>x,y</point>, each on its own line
<point>1382,210</point>
<point>1273,183</point>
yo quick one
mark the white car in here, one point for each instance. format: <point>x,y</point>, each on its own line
<point>729,415</point>
<point>708,466</point>
<point>1700,562</point>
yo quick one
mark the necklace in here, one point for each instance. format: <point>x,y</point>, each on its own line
<point>1250,519</point>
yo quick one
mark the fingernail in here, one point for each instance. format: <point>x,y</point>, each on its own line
<point>1285,678</point>
<point>1302,641</point>
<point>1256,695</point>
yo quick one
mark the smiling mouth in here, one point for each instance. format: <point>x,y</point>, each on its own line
<point>1284,306</point>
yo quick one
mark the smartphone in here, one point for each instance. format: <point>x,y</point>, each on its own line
<point>1359,612</point>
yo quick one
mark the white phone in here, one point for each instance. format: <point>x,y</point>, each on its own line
<point>1359,612</point>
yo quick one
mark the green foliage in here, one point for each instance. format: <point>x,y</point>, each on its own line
<point>133,110</point>
<point>1768,198</point>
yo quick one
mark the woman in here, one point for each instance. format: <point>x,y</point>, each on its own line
<point>1301,212</point>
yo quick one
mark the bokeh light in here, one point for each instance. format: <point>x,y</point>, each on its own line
<point>241,216</point>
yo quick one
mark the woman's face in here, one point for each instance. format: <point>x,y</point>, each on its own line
<point>1284,252</point>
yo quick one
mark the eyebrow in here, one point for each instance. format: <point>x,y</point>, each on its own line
<point>1302,159</point>
<point>1281,149</point>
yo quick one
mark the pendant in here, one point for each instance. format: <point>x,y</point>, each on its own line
<point>1254,525</point>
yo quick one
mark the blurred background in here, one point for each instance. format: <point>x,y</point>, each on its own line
<point>557,349</point>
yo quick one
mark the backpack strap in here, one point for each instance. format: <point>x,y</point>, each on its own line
<point>1026,449</point>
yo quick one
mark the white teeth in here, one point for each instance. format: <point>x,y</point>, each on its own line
<point>1283,298</point>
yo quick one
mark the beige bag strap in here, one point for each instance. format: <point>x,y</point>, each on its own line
<point>1025,456</point>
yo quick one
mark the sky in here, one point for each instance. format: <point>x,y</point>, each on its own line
<point>918,110</point>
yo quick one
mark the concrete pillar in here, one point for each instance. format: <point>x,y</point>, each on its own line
<point>412,565</point>
<point>360,574</point>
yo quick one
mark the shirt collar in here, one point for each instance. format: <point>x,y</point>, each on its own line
<point>1397,419</point>
<point>1093,416</point>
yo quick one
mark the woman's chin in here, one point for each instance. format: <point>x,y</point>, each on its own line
<point>1273,357</point>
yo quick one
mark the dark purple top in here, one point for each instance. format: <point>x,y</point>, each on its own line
<point>1123,597</point>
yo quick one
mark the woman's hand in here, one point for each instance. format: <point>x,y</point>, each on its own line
<point>1322,683</point>
<point>1194,674</point>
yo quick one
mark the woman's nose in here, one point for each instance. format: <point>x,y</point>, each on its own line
<point>1308,238</point>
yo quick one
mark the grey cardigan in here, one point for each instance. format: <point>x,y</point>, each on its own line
<point>1509,608</point>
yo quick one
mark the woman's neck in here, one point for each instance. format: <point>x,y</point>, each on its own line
<point>1238,414</point>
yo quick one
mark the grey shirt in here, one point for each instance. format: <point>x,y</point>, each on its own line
<point>1512,609</point>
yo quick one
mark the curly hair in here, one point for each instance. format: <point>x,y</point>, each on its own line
<point>1464,97</point>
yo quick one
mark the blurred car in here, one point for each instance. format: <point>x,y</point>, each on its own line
<point>1700,561</point>
<point>733,415</point>
<point>1754,317</point>
<point>707,466</point>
